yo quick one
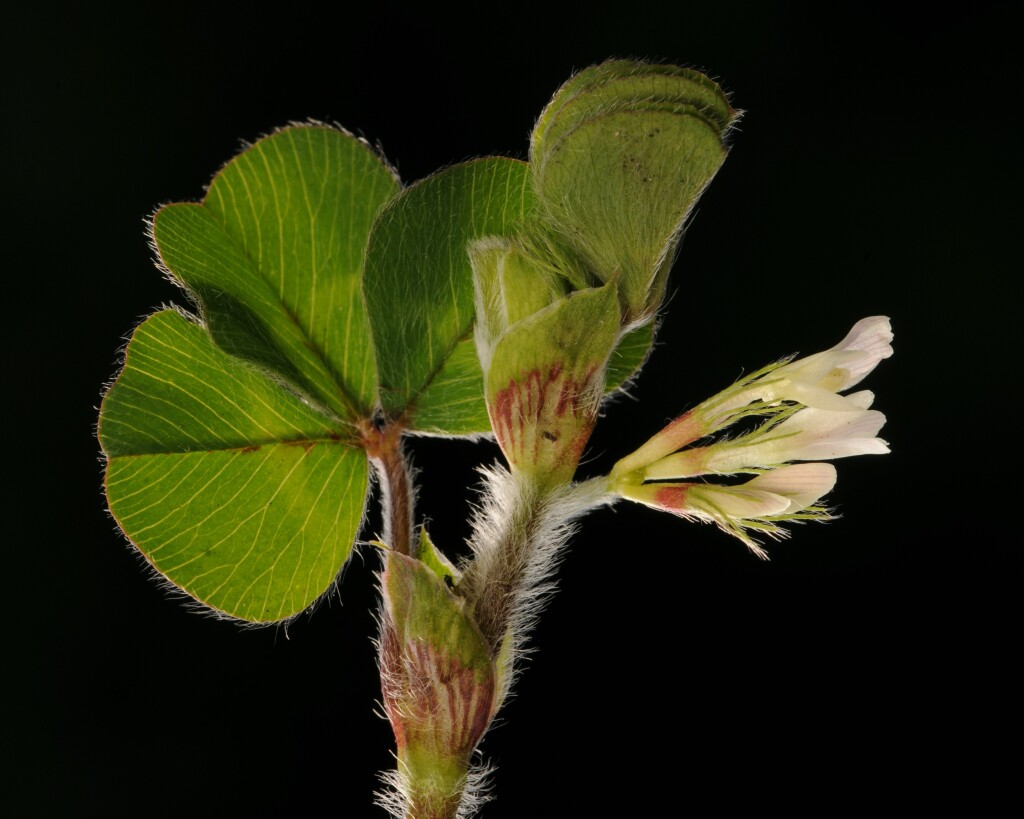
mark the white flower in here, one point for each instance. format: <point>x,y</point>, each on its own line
<point>816,380</point>
<point>807,435</point>
<point>803,418</point>
<point>812,435</point>
<point>802,485</point>
<point>813,381</point>
<point>787,493</point>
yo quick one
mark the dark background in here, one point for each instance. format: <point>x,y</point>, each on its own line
<point>876,171</point>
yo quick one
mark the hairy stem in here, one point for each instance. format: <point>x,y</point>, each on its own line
<point>518,537</point>
<point>384,446</point>
<point>504,548</point>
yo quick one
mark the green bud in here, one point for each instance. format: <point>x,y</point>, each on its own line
<point>439,683</point>
<point>509,286</point>
<point>545,381</point>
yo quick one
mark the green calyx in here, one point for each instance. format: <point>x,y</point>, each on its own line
<point>545,381</point>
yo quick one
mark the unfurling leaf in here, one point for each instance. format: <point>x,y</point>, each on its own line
<point>618,159</point>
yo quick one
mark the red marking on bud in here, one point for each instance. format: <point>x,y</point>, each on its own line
<point>431,699</point>
<point>545,417</point>
<point>682,421</point>
<point>672,498</point>
<point>567,397</point>
<point>521,403</point>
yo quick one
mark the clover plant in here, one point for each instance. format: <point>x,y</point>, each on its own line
<point>335,312</point>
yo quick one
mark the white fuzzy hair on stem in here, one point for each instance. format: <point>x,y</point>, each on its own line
<point>518,536</point>
<point>395,796</point>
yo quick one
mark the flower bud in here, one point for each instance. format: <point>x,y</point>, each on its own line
<point>439,684</point>
<point>545,380</point>
<point>508,286</point>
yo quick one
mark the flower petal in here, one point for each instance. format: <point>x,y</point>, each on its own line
<point>862,399</point>
<point>810,395</point>
<point>807,435</point>
<point>822,435</point>
<point>802,484</point>
<point>872,338</point>
<point>833,370</point>
<point>736,501</point>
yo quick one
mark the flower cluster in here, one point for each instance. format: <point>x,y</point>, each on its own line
<point>802,417</point>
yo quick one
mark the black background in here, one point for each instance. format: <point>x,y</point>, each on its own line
<point>876,172</point>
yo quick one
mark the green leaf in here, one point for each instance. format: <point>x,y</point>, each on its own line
<point>629,356</point>
<point>274,255</point>
<point>621,185</point>
<point>454,403</point>
<point>625,84</point>
<point>618,159</point>
<point>233,488</point>
<point>419,291</point>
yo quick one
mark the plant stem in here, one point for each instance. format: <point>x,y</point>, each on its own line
<point>505,545</point>
<point>518,537</point>
<point>429,780</point>
<point>384,446</point>
<point>431,792</point>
